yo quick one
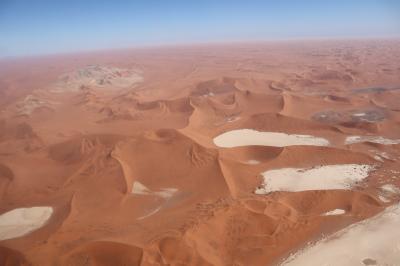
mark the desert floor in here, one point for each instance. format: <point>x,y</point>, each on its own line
<point>275,153</point>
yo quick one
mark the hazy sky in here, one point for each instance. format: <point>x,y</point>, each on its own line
<point>44,26</point>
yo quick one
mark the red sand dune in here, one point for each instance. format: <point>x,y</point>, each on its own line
<point>120,146</point>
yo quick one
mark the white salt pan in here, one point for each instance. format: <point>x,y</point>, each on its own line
<point>246,137</point>
<point>375,240</point>
<point>22,221</point>
<point>326,177</point>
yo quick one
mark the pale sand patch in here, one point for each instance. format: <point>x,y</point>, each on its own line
<point>165,193</point>
<point>383,199</point>
<point>246,137</point>
<point>99,77</point>
<point>374,139</point>
<point>140,189</point>
<point>381,156</point>
<point>341,176</point>
<point>335,212</point>
<point>378,158</point>
<point>359,114</point>
<point>391,189</point>
<point>388,191</point>
<point>253,162</point>
<point>22,221</point>
<point>31,103</point>
<point>384,155</point>
<point>150,213</point>
<point>373,240</point>
<point>232,119</point>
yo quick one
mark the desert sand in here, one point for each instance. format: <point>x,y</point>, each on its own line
<point>269,153</point>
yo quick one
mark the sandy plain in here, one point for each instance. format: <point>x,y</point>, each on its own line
<point>122,152</point>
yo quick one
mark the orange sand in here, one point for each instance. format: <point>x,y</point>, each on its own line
<point>121,146</point>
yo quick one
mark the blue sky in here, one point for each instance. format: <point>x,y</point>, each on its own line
<point>29,27</point>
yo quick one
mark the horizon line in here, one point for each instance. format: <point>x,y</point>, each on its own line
<point>193,44</point>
